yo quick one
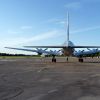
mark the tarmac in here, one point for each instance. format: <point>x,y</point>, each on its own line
<point>40,79</point>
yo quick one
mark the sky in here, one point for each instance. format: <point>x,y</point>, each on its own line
<point>44,22</point>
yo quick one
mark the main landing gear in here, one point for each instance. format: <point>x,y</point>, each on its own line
<point>53,59</point>
<point>80,59</point>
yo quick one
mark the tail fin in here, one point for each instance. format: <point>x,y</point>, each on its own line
<point>68,28</point>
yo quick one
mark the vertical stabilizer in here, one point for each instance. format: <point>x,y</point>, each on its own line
<point>68,29</point>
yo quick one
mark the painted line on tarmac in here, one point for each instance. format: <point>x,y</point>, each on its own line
<point>38,97</point>
<point>54,90</point>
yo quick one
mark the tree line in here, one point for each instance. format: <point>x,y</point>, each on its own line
<point>7,54</point>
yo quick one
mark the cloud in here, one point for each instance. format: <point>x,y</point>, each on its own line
<point>13,32</point>
<point>22,40</point>
<point>26,27</point>
<point>79,4</point>
<point>19,30</point>
<point>56,21</point>
<point>52,20</point>
<point>91,1</point>
<point>39,37</point>
<point>86,29</point>
<point>73,5</point>
<point>62,22</point>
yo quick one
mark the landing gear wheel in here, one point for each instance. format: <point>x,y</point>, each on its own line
<point>80,59</point>
<point>53,59</point>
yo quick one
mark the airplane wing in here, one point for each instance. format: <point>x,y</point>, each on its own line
<point>22,49</point>
<point>51,52</point>
<point>81,53</point>
<point>85,46</point>
<point>37,51</point>
<point>45,46</point>
<point>62,46</point>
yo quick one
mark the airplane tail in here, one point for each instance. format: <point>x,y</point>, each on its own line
<point>68,29</point>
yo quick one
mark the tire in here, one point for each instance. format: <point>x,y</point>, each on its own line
<point>54,60</point>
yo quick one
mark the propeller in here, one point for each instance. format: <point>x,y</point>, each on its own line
<point>41,49</point>
<point>93,49</point>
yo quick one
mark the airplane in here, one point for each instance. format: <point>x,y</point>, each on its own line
<point>68,49</point>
